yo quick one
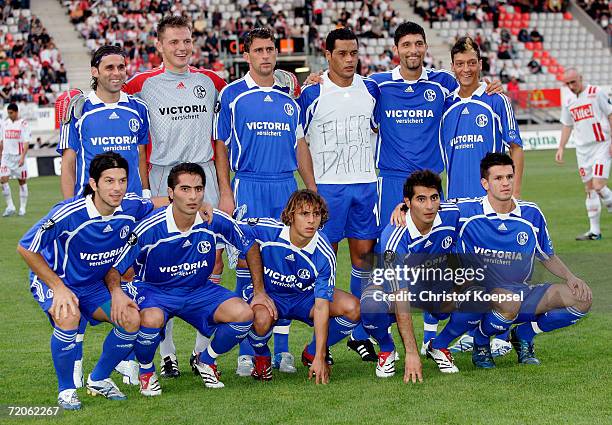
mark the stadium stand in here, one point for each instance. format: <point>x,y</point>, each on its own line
<point>600,11</point>
<point>31,68</point>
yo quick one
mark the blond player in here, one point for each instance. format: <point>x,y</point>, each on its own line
<point>588,112</point>
<point>15,137</point>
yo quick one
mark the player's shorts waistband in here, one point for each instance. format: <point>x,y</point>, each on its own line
<point>264,177</point>
<point>203,163</point>
<point>394,173</point>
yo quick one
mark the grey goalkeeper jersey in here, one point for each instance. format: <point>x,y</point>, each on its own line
<point>181,109</point>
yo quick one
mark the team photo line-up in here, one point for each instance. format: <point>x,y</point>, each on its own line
<point>149,207</point>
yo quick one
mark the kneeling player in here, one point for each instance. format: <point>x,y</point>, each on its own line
<point>299,278</point>
<point>69,251</point>
<point>498,223</point>
<point>173,251</point>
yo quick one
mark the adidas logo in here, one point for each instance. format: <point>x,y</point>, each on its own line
<point>186,244</point>
<point>113,116</point>
<point>428,243</point>
<point>502,227</point>
<point>409,90</point>
<point>267,98</point>
<point>465,111</point>
<point>180,85</point>
<point>290,257</point>
<point>107,229</point>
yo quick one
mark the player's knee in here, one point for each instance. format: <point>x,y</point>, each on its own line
<point>352,309</point>
<point>583,306</point>
<point>262,321</point>
<point>132,324</point>
<point>67,323</point>
<point>244,313</point>
<point>509,310</point>
<point>151,318</point>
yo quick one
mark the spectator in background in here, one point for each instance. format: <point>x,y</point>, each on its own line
<point>536,37</point>
<point>523,36</point>
<point>513,91</point>
<point>534,66</point>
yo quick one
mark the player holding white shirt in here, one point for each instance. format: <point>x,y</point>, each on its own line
<point>338,118</point>
<point>15,137</point>
<point>588,112</point>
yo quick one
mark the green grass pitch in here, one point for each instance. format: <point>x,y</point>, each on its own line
<point>571,386</point>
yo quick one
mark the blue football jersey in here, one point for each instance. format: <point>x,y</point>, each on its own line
<point>471,128</point>
<point>409,117</point>
<point>162,255</point>
<point>79,244</point>
<point>506,244</point>
<point>260,127</point>
<point>289,270</point>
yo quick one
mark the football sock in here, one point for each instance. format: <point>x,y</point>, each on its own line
<point>260,343</point>
<point>227,335</point>
<point>430,326</point>
<point>116,347</point>
<point>492,323</point>
<point>339,328</point>
<point>606,196</point>
<point>593,207</point>
<point>281,336</point>
<point>23,196</point>
<point>201,342</point>
<point>79,345</point>
<point>376,320</point>
<point>243,280</point>
<point>459,323</point>
<point>6,191</point>
<point>549,321</point>
<point>359,278</point>
<point>63,351</point>
<point>166,346</point>
<point>145,347</point>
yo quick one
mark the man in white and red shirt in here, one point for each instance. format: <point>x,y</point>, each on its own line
<point>15,137</point>
<point>588,112</point>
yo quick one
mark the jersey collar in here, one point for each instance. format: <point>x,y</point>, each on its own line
<point>92,211</point>
<point>396,75</point>
<point>95,100</point>
<point>172,228</point>
<point>487,209</point>
<point>412,229</point>
<point>478,92</point>
<point>310,248</point>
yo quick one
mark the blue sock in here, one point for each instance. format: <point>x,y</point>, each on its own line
<point>376,320</point>
<point>359,278</point>
<point>145,347</point>
<point>243,280</point>
<point>430,326</point>
<point>492,323</point>
<point>281,336</point>
<point>63,352</point>
<point>227,335</point>
<point>259,343</point>
<point>339,328</point>
<point>131,356</point>
<point>458,324</point>
<point>504,336</point>
<point>117,346</point>
<point>549,321</point>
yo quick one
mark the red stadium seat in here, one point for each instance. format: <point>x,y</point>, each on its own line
<point>529,45</point>
<point>552,69</point>
<point>545,54</point>
<point>537,54</point>
<point>515,31</point>
<point>545,62</point>
<point>537,45</point>
<point>568,16</point>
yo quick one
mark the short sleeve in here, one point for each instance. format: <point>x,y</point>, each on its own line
<point>223,118</point>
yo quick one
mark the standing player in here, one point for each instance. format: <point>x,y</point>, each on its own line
<point>588,111</point>
<point>105,120</point>
<point>69,251</point>
<point>475,123</point>
<point>338,117</point>
<point>173,251</point>
<point>498,223</point>
<point>259,124</point>
<point>299,277</point>
<point>15,140</point>
<point>183,100</point>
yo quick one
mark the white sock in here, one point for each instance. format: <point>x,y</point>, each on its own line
<point>23,197</point>
<point>166,346</point>
<point>202,342</point>
<point>606,196</point>
<point>6,191</point>
<point>593,206</point>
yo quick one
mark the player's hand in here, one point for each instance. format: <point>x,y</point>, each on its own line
<point>314,78</point>
<point>412,368</point>
<point>64,303</point>
<point>261,298</point>
<point>494,87</point>
<point>120,305</point>
<point>320,370</point>
<point>398,216</point>
<point>21,162</point>
<point>559,156</point>
<point>206,212</point>
<point>580,289</point>
<point>226,204</point>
